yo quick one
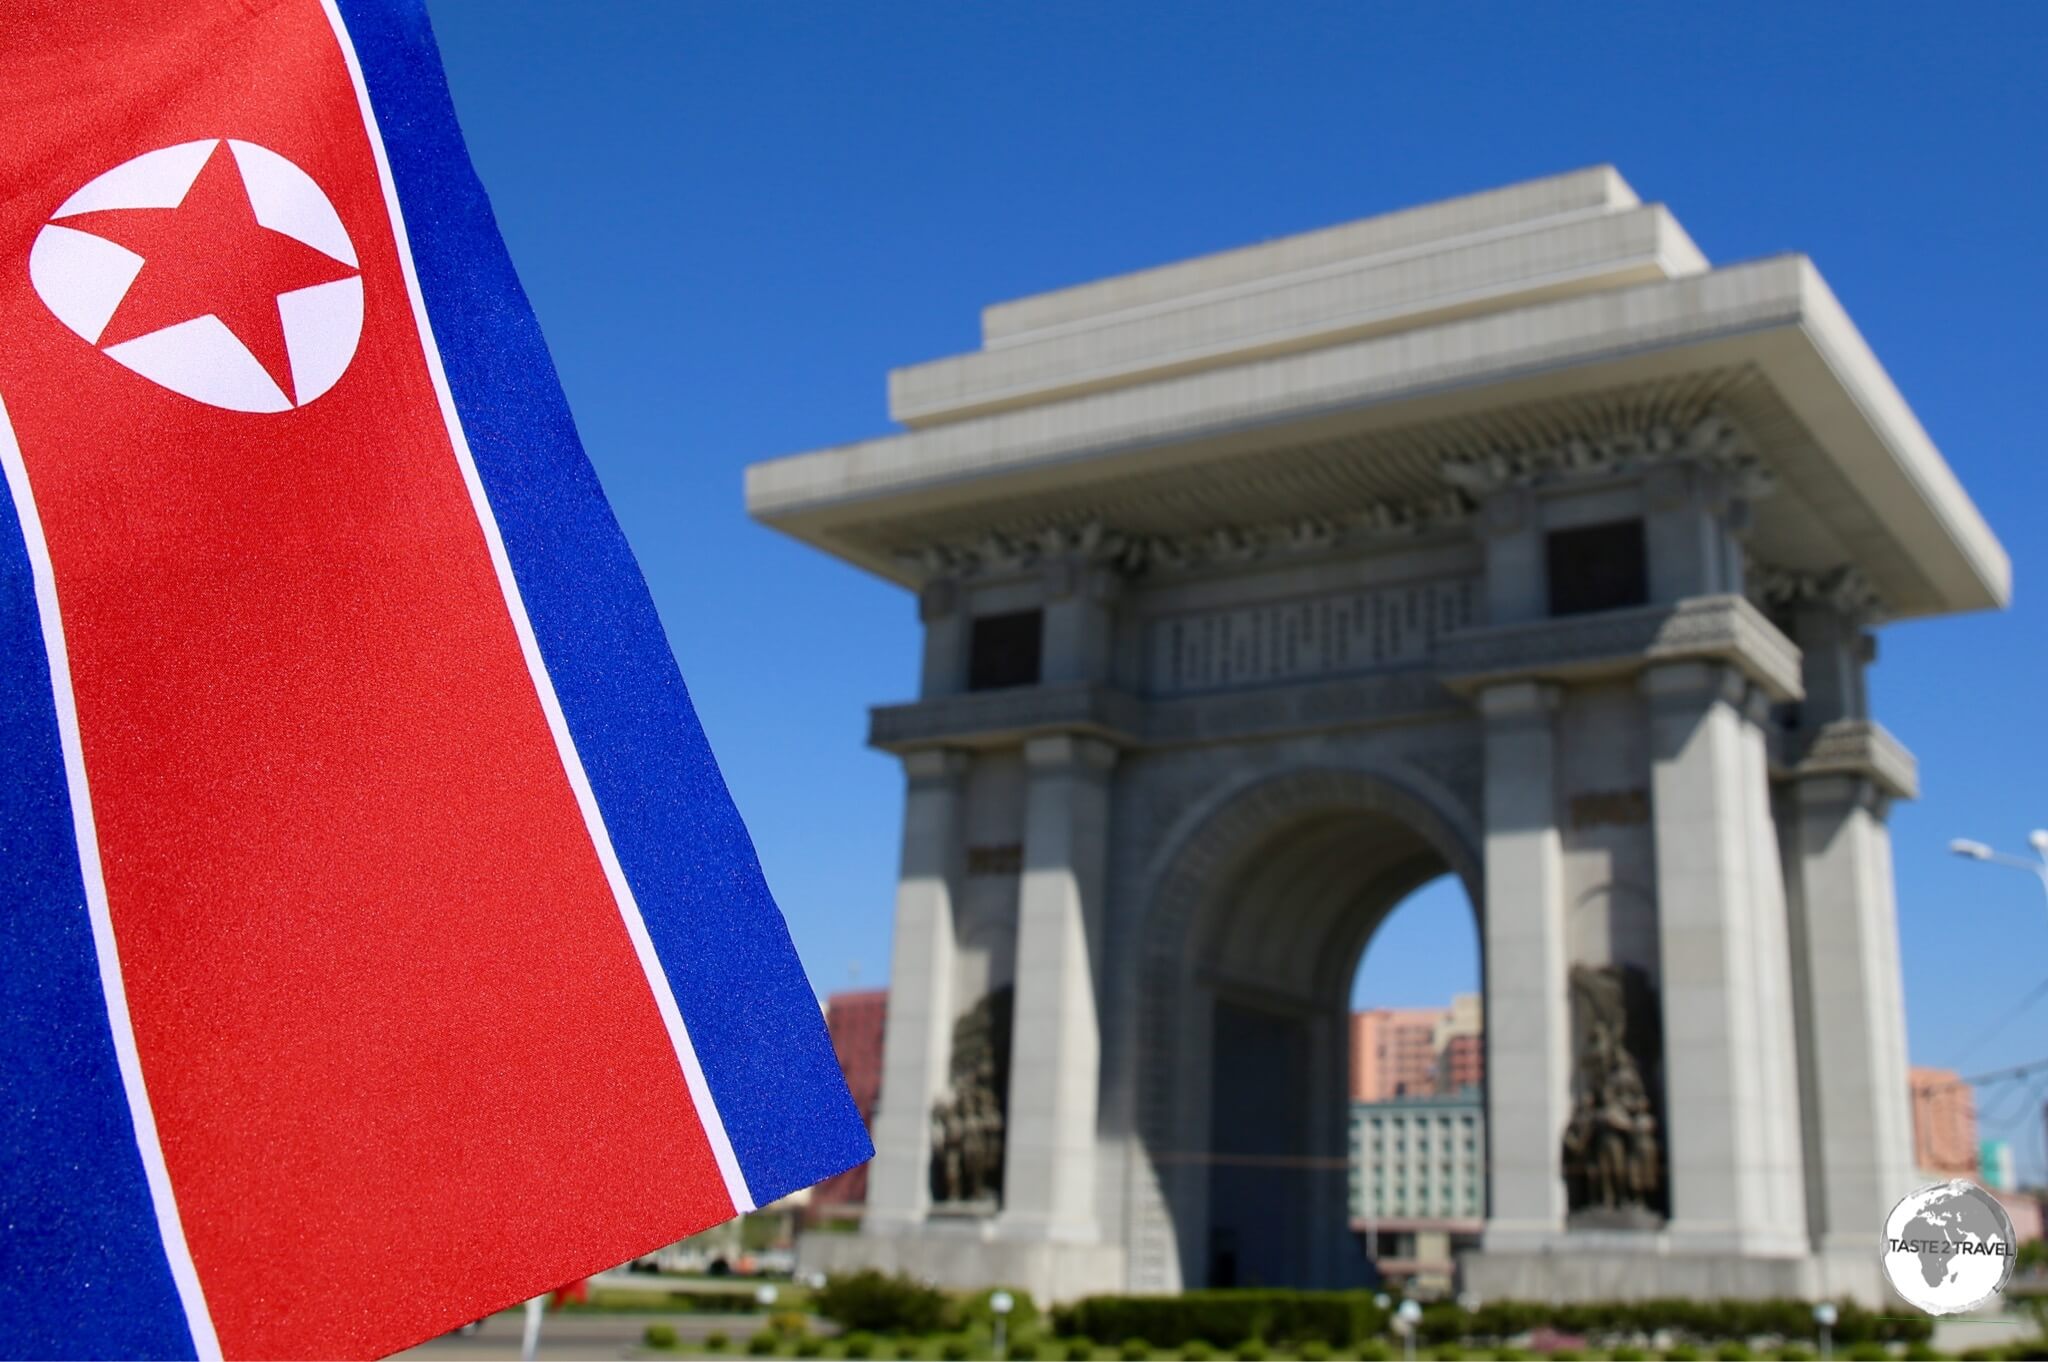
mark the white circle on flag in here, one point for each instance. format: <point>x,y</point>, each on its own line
<point>83,278</point>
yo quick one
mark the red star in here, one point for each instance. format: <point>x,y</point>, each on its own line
<point>209,254</point>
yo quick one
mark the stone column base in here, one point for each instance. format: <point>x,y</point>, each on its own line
<point>963,1257</point>
<point>1647,1269</point>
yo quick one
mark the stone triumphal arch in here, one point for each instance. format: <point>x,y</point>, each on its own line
<point>1503,537</point>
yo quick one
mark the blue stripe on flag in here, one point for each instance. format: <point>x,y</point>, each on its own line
<point>82,1266</point>
<point>721,940</point>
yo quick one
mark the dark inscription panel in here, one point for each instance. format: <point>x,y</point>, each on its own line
<point>1299,640</point>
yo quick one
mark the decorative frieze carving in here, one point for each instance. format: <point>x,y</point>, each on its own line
<point>1094,544</point>
<point>1843,589</point>
<point>1714,441</point>
<point>1334,634</point>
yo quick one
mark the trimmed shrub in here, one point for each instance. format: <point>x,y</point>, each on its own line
<point>1315,1350</point>
<point>1134,1350</point>
<point>1733,1351</point>
<point>956,1349</point>
<point>859,1345</point>
<point>718,1302</point>
<point>1198,1350</point>
<point>762,1344</point>
<point>877,1303</point>
<point>1338,1318</point>
<point>1252,1350</point>
<point>1866,1352</point>
<point>1682,1352</point>
<point>810,1346</point>
<point>1080,1349</point>
<point>1799,1352</point>
<point>716,1342</point>
<point>660,1336</point>
<point>1629,1352</point>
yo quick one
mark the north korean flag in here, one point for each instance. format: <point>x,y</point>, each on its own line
<point>379,945</point>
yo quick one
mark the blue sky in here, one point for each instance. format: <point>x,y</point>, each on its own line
<point>734,218</point>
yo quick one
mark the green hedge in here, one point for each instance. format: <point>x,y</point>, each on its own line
<point>1344,1318</point>
<point>1225,1318</point>
<point>1695,1319</point>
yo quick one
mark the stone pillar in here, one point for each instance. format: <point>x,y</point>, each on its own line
<point>944,671</point>
<point>1056,1046</point>
<point>1777,1043</point>
<point>917,1044</point>
<point>1849,1000</point>
<point>1859,1145</point>
<point>1727,1102</point>
<point>1080,604</point>
<point>1528,1025</point>
<point>1517,573</point>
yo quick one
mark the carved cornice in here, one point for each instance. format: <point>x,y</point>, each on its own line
<point>1725,629</point>
<point>998,555</point>
<point>1842,589</point>
<point>1860,748</point>
<point>1714,441</point>
<point>1006,717</point>
<point>1095,544</point>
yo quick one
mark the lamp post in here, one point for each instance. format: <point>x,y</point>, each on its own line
<point>1824,1316</point>
<point>1405,1319</point>
<point>1000,1303</point>
<point>2038,867</point>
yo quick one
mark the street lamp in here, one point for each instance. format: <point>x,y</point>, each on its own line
<point>1824,1316</point>
<point>1000,1303</point>
<point>1405,1319</point>
<point>2038,867</point>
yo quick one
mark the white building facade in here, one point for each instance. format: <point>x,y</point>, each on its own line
<point>1504,537</point>
<point>1419,1159</point>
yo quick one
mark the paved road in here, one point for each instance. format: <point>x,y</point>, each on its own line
<point>571,1335</point>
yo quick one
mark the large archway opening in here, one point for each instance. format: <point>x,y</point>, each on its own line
<point>1285,892</point>
<point>1417,1191</point>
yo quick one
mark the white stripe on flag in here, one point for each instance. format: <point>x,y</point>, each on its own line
<point>572,762</point>
<point>183,1274</point>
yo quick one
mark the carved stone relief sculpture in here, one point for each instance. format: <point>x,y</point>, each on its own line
<point>968,1122</point>
<point>1614,1161</point>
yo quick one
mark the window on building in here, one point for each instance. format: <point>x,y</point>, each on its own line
<point>1597,567</point>
<point>1003,650</point>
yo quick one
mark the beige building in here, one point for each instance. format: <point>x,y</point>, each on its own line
<point>1944,1124</point>
<point>1417,1051</point>
<point>1393,1052</point>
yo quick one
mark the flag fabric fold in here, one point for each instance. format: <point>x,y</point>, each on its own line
<point>379,944</point>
